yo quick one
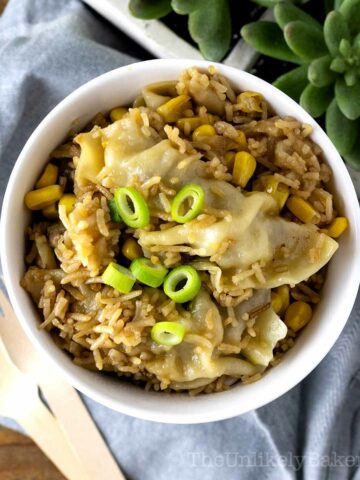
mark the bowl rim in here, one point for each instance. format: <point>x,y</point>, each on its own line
<point>223,411</point>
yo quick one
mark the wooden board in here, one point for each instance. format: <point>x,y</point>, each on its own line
<point>21,459</point>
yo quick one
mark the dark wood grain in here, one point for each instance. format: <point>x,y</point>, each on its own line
<point>21,459</point>
<point>2,5</point>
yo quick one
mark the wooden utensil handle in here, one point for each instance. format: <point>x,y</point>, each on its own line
<point>80,429</point>
<point>44,429</point>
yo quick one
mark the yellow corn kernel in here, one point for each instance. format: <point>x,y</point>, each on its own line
<point>338,227</point>
<point>203,131</point>
<point>174,108</point>
<point>117,113</point>
<point>50,212</point>
<point>43,197</point>
<point>301,209</point>
<point>284,293</point>
<point>297,315</point>
<point>188,123</point>
<point>244,168</point>
<point>276,302</point>
<point>131,249</point>
<point>48,177</point>
<point>68,201</point>
<point>241,140</point>
<point>250,102</point>
<point>229,159</point>
<point>279,192</point>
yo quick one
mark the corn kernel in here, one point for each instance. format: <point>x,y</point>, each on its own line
<point>250,102</point>
<point>284,294</point>
<point>48,177</point>
<point>297,315</point>
<point>241,140</point>
<point>50,212</point>
<point>188,123</point>
<point>229,159</point>
<point>131,249</point>
<point>244,168</point>
<point>203,131</point>
<point>43,197</point>
<point>174,108</point>
<point>279,192</point>
<point>68,201</point>
<point>338,227</point>
<point>302,209</point>
<point>276,302</point>
<point>117,113</point>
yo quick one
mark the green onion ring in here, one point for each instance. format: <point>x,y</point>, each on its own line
<point>148,273</point>
<point>114,214</point>
<point>135,216</point>
<point>118,277</point>
<point>193,192</point>
<point>189,290</point>
<point>168,333</point>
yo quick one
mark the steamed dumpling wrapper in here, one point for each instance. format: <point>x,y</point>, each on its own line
<point>196,361</point>
<point>253,229</point>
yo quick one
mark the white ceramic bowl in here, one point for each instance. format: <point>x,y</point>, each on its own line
<point>120,87</point>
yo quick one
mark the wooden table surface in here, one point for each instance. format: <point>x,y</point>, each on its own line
<point>21,459</point>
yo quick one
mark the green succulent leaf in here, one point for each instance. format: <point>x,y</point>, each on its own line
<point>356,44</point>
<point>335,29</point>
<point>287,12</point>
<point>351,77</point>
<point>353,158</point>
<point>319,72</point>
<point>266,3</point>
<point>316,100</point>
<point>268,38</point>
<point>337,4</point>
<point>348,98</point>
<point>342,131</point>
<point>210,27</point>
<point>184,7</point>
<point>293,82</point>
<point>351,12</point>
<point>345,47</point>
<point>148,9</point>
<point>338,65</point>
<point>305,40</point>
<point>272,3</point>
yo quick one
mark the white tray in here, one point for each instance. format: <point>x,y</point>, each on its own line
<point>161,41</point>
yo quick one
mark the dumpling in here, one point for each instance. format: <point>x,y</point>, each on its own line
<point>158,93</point>
<point>194,362</point>
<point>91,159</point>
<point>252,229</point>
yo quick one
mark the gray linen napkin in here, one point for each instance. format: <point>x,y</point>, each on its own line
<point>47,49</point>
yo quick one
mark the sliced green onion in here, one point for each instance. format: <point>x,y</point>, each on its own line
<point>187,279</point>
<point>168,333</point>
<point>118,277</point>
<point>147,272</point>
<point>132,207</point>
<point>114,214</point>
<point>187,203</point>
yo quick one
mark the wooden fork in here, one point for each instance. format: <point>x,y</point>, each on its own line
<point>20,401</point>
<point>74,420</point>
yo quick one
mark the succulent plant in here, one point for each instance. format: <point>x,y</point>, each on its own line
<point>327,78</point>
<point>209,21</point>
